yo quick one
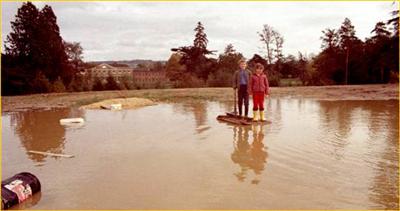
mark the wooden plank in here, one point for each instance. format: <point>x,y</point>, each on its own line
<point>231,114</point>
<point>233,120</point>
<point>50,154</point>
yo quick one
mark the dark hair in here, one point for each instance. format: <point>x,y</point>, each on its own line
<point>259,66</point>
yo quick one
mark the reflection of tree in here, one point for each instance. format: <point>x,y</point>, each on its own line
<point>40,130</point>
<point>336,117</point>
<point>382,120</point>
<point>249,156</point>
<point>199,109</point>
<point>385,189</point>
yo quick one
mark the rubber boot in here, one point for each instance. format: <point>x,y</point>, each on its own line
<point>262,118</point>
<point>255,116</point>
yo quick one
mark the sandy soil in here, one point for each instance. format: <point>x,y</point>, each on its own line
<point>126,103</point>
<point>351,92</point>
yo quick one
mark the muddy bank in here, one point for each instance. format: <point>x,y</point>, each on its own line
<point>351,92</point>
<point>126,103</point>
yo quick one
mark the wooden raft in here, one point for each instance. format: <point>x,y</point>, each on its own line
<point>239,120</point>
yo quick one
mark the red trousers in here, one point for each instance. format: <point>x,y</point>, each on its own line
<point>258,101</point>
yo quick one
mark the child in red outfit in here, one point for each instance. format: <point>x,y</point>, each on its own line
<point>258,87</point>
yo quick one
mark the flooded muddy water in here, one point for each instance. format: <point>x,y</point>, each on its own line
<point>314,155</point>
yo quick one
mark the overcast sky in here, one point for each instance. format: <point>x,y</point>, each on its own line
<point>148,30</point>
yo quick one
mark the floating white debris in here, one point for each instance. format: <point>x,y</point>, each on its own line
<point>71,121</point>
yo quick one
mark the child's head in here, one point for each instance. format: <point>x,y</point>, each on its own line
<point>259,68</point>
<point>242,64</point>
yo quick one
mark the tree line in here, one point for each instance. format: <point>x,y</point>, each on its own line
<point>344,58</point>
<point>38,60</point>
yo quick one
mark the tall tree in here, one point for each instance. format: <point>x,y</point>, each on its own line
<point>21,42</point>
<point>278,41</point>
<point>200,40</point>
<point>378,53</point>
<point>195,57</point>
<point>347,43</point>
<point>54,59</point>
<point>347,34</point>
<point>266,36</point>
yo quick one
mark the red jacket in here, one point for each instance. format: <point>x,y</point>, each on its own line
<point>259,84</point>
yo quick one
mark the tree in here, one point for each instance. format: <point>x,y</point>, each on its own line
<point>35,45</point>
<point>378,54</point>
<point>22,40</point>
<point>330,40</point>
<point>266,36</point>
<point>395,22</point>
<point>380,30</point>
<point>200,40</point>
<point>174,68</point>
<point>128,82</point>
<point>111,83</point>
<point>58,86</point>
<point>228,61</point>
<point>348,44</point>
<point>54,59</point>
<point>40,84</point>
<point>195,57</point>
<point>278,40</point>
<point>74,52</point>
<point>98,85</point>
<point>226,65</point>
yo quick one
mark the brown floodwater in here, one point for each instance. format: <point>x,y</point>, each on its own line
<point>314,155</point>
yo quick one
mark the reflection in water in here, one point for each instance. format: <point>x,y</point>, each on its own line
<point>29,202</point>
<point>199,111</point>
<point>330,155</point>
<point>336,117</point>
<point>382,121</point>
<point>249,156</point>
<point>40,130</point>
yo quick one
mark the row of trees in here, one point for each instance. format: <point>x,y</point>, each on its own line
<point>344,58</point>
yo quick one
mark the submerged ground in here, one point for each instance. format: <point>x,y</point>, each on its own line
<point>326,148</point>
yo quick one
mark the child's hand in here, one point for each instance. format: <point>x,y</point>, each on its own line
<point>267,95</point>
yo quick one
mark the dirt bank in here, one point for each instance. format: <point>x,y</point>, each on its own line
<point>352,92</point>
<point>126,103</point>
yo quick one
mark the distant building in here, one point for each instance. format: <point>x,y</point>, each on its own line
<point>142,79</point>
<point>148,78</point>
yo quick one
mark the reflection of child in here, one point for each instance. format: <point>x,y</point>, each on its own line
<point>258,87</point>
<point>257,151</point>
<point>249,156</point>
